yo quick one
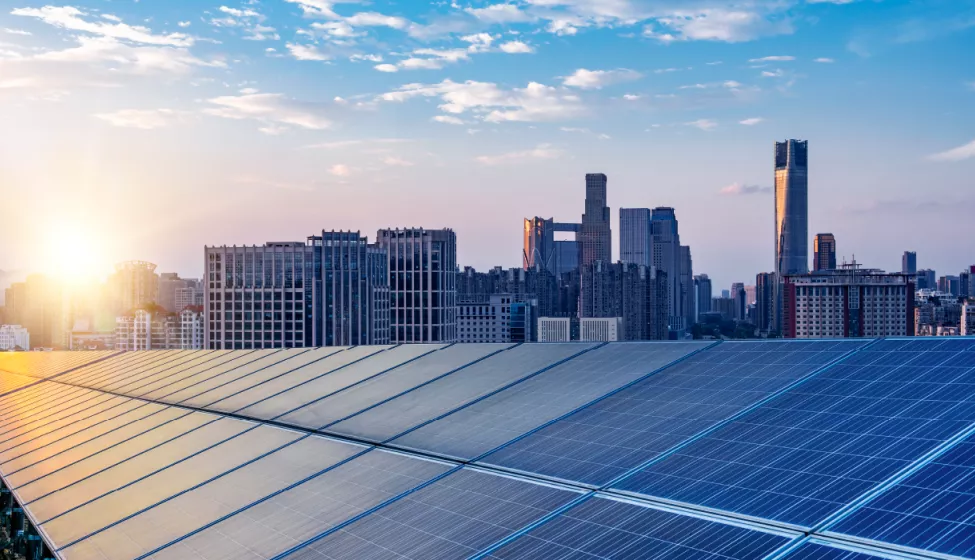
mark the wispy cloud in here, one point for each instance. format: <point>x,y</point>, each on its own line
<point>597,79</point>
<point>10,31</point>
<point>542,151</point>
<point>773,59</point>
<point>956,154</point>
<point>68,17</point>
<point>271,108</point>
<point>340,170</point>
<point>739,189</point>
<point>703,124</point>
<point>516,47</point>
<point>500,13</point>
<point>306,52</point>
<point>447,119</point>
<point>717,24</point>
<point>752,121</point>
<point>144,119</point>
<point>824,60</point>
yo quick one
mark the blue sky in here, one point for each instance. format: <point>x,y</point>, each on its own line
<point>144,130</point>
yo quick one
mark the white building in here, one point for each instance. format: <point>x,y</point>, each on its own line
<point>554,329</point>
<point>600,329</point>
<point>968,318</point>
<point>485,322</point>
<point>145,331</point>
<point>14,337</point>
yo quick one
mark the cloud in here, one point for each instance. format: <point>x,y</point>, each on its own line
<point>823,60</point>
<point>369,57</point>
<point>542,151</point>
<point>597,79</point>
<point>956,154</point>
<point>516,47</point>
<point>397,161</point>
<point>316,8</point>
<point>631,96</point>
<point>703,124</point>
<point>500,13</point>
<point>67,17</point>
<point>386,67</point>
<point>125,58</point>
<point>306,52</point>
<point>184,24</point>
<point>752,121</point>
<point>16,31</point>
<point>340,170</point>
<point>374,19</point>
<point>738,189</point>
<point>271,109</point>
<point>490,103</point>
<point>777,73</point>
<point>718,24</point>
<point>447,119</point>
<point>479,41</point>
<point>142,119</point>
<point>773,59</point>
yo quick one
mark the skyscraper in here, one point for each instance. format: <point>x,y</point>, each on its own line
<point>791,207</point>
<point>824,252</point>
<point>134,284</point>
<point>738,295</point>
<point>422,284</point>
<point>595,235</point>
<point>542,250</point>
<point>667,257</point>
<point>765,285</point>
<point>636,242</point>
<point>909,263</point>
<point>687,287</point>
<point>702,287</point>
<point>926,279</point>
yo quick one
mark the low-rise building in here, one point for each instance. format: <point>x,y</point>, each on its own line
<point>967,323</point>
<point>144,330</point>
<point>555,329</point>
<point>14,337</point>
<point>600,329</point>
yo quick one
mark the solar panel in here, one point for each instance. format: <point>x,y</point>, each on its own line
<point>933,509</point>
<point>184,390</point>
<point>160,360</point>
<point>186,359</point>
<point>55,418</point>
<point>453,517</point>
<point>495,420</point>
<point>318,388</point>
<point>387,419</point>
<point>290,518</point>
<point>610,528</point>
<point>220,362</point>
<point>375,389</point>
<point>817,551</point>
<point>616,434</point>
<point>803,455</point>
<point>173,385</point>
<point>124,359</point>
<point>12,382</point>
<point>175,517</point>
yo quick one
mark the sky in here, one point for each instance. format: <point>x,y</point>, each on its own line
<point>149,129</point>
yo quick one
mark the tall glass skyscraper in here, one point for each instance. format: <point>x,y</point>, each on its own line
<point>636,242</point>
<point>595,236</point>
<point>791,207</point>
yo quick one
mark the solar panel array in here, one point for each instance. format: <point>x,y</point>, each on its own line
<point>828,449</point>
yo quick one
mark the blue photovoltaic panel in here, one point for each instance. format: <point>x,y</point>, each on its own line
<point>451,518</point>
<point>616,434</point>
<point>805,454</point>
<point>816,551</point>
<point>502,417</point>
<point>933,509</point>
<point>603,528</point>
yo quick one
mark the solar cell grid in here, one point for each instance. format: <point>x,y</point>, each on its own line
<point>933,509</point>
<point>220,361</point>
<point>486,424</point>
<point>123,360</point>
<point>11,382</point>
<point>815,551</point>
<point>601,528</point>
<point>453,517</point>
<point>187,389</point>
<point>171,386</point>
<point>97,376</point>
<point>805,454</point>
<point>295,516</point>
<point>57,417</point>
<point>608,438</point>
<point>184,360</point>
<point>40,397</point>
<point>175,517</point>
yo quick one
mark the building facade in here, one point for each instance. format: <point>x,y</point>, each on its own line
<point>824,252</point>
<point>636,294</point>
<point>488,321</point>
<point>791,215</point>
<point>740,303</point>
<point>600,329</point>
<point>926,279</point>
<point>668,257</point>
<point>555,329</point>
<point>422,268</point>
<point>542,250</point>
<point>14,337</point>
<point>144,330</point>
<point>848,303</point>
<point>190,295</point>
<point>39,305</point>
<point>687,288</point>
<point>636,241</point>
<point>703,295</point>
<point>909,262</point>
<point>133,285</point>
<point>595,233</point>
<point>765,286</point>
<point>967,323</point>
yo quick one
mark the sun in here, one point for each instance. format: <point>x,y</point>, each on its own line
<point>75,253</point>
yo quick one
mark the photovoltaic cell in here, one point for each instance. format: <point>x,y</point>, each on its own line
<point>185,360</point>
<point>486,424</point>
<point>123,364</point>
<point>221,361</point>
<point>602,528</point>
<point>620,432</point>
<point>193,510</point>
<point>170,386</point>
<point>453,517</point>
<point>46,364</point>
<point>56,418</point>
<point>11,382</point>
<point>187,389</point>
<point>295,516</point>
<point>374,390</point>
<point>321,387</point>
<point>97,378</point>
<point>105,509</point>
<point>816,551</point>
<point>805,454</point>
<point>933,509</point>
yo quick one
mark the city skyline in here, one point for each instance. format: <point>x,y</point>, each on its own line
<point>206,137</point>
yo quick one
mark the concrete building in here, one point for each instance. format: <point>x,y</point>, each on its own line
<point>133,285</point>
<point>14,337</point>
<point>191,295</point>
<point>909,262</point>
<point>849,302</point>
<point>595,233</point>
<point>765,287</point>
<point>791,214</point>
<point>191,328</point>
<point>966,283</point>
<point>566,257</point>
<point>667,257</point>
<point>555,329</point>
<point>352,295</point>
<point>485,321</point>
<point>542,250</point>
<point>949,284</point>
<point>39,304</point>
<point>824,252</point>
<point>422,284</point>
<point>702,298</point>
<point>600,329</point>
<point>740,304</point>
<point>926,279</point>
<point>171,292</point>
<point>636,241</point>
<point>635,293</point>
<point>688,315</point>
<point>967,323</point>
<point>143,330</point>
<point>724,306</point>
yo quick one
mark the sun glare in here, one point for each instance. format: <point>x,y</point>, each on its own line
<point>75,253</point>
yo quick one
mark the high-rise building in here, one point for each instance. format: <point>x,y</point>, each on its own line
<point>741,306</point>
<point>133,285</point>
<point>967,322</point>
<point>352,291</point>
<point>635,293</point>
<point>667,257</point>
<point>702,303</point>
<point>595,233</point>
<point>687,287</point>
<point>542,250</point>
<point>422,284</point>
<point>849,302</point>
<point>566,257</point>
<point>536,286</point>
<point>488,321</point>
<point>966,279</point>
<point>948,285</point>
<point>765,286</point>
<point>824,252</point>
<point>39,305</point>
<point>791,214</point>
<point>909,262</point>
<point>636,241</point>
<point>926,279</point>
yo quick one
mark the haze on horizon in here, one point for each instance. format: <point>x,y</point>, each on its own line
<point>145,131</point>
